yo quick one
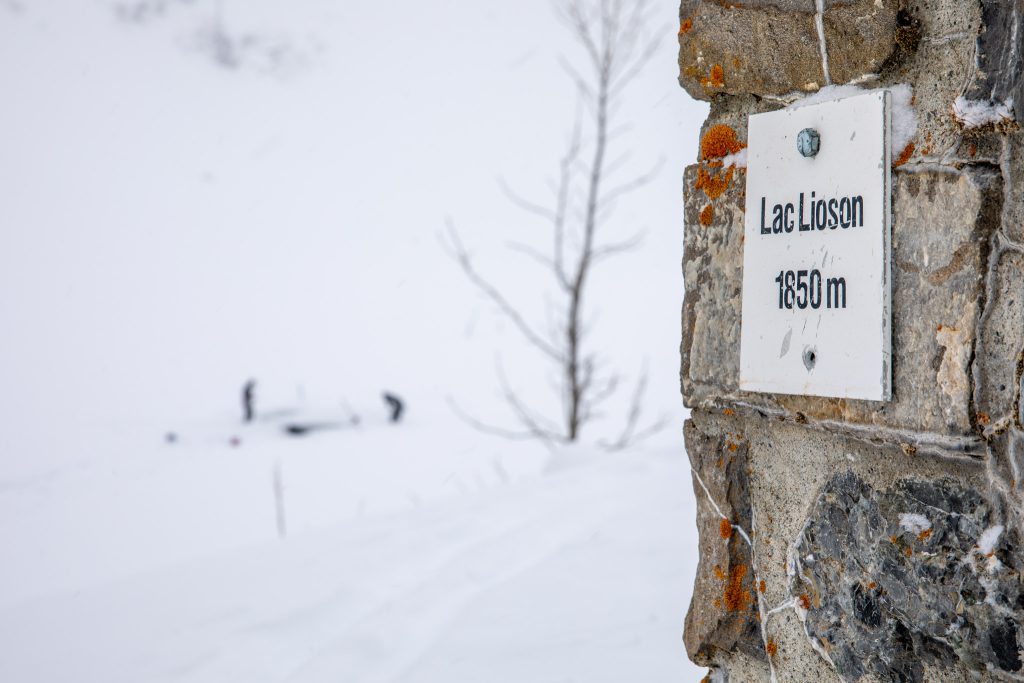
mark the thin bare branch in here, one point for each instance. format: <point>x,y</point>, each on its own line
<point>464,260</point>
<point>482,426</point>
<point>532,253</point>
<point>603,252</point>
<point>633,184</point>
<point>630,435</point>
<point>525,204</point>
<point>537,425</point>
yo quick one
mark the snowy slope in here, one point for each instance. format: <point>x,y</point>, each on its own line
<point>180,214</point>
<point>578,575</point>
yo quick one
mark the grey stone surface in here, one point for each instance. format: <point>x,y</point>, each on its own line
<point>1000,348</point>
<point>723,615</point>
<point>861,37</point>
<point>772,47</point>
<point>942,226</point>
<point>789,465</point>
<point>1000,53</point>
<point>712,273</point>
<point>887,597</point>
<point>734,50</point>
<point>830,478</point>
<point>1013,162</point>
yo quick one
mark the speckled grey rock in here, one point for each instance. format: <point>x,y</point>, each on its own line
<point>903,577</point>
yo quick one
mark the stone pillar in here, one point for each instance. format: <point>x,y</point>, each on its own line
<point>845,540</point>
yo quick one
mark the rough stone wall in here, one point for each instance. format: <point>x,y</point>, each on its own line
<point>846,540</point>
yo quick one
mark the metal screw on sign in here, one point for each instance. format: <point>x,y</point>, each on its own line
<point>808,142</point>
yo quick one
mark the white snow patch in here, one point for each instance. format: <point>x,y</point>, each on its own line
<point>977,113</point>
<point>904,118</point>
<point>914,523</point>
<point>739,159</point>
<point>989,539</point>
<point>717,676</point>
<point>827,94</point>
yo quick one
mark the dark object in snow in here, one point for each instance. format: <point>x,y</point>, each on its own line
<point>248,400</point>
<point>234,442</point>
<point>303,428</point>
<point>171,437</point>
<point>396,405</point>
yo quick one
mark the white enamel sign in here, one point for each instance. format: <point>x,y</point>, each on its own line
<point>816,251</point>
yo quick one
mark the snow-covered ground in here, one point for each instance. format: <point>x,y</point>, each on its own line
<point>579,573</point>
<point>184,208</point>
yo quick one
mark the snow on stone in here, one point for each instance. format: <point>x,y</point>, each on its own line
<point>978,113</point>
<point>737,159</point>
<point>989,539</point>
<point>914,523</point>
<point>904,118</point>
<point>827,94</point>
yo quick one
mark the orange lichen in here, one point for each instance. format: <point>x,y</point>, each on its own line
<point>905,155</point>
<point>707,215</point>
<point>733,447</point>
<point>771,648</point>
<point>907,551</point>
<point>762,586</point>
<point>719,573</point>
<point>736,62</point>
<point>715,77</point>
<point>719,141</point>
<point>725,528</point>
<point>972,149</point>
<point>713,185</point>
<point>928,145</point>
<point>734,597</point>
<point>923,536</point>
<point>728,411</point>
<point>872,585</point>
<point>804,601</point>
<point>686,26</point>
<point>983,418</point>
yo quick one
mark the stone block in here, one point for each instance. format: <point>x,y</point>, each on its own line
<point>790,469</point>
<point>772,47</point>
<point>920,573</point>
<point>860,38</point>
<point>1000,347</point>
<point>732,49</point>
<point>1000,74</point>
<point>942,223</point>
<point>723,610</point>
<point>1013,166</point>
<point>712,274</point>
